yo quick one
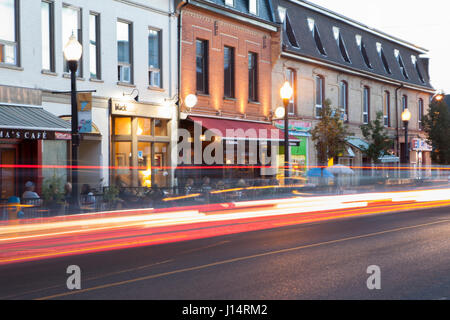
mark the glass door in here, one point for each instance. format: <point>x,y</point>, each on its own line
<point>8,174</point>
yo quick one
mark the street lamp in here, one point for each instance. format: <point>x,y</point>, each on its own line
<point>406,116</point>
<point>286,94</point>
<point>190,101</point>
<point>72,52</point>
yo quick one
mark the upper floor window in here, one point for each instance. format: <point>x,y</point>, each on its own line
<point>404,102</point>
<point>315,33</point>
<point>253,6</point>
<point>94,45</point>
<point>401,64</point>
<point>228,65</point>
<point>416,65</point>
<point>291,78</point>
<point>124,47</point>
<point>343,99</point>
<point>421,114</point>
<point>201,57</point>
<point>387,109</point>
<point>320,95</point>
<point>383,58</point>
<point>362,49</point>
<point>9,32</point>
<point>154,58</point>
<point>229,3</point>
<point>366,105</point>
<point>341,44</point>
<point>252,76</point>
<point>47,32</point>
<point>71,18</point>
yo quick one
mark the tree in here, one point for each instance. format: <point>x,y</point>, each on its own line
<point>378,138</point>
<point>437,126</point>
<point>329,134</point>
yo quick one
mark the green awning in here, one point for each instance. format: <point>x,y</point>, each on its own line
<point>31,118</point>
<point>358,143</point>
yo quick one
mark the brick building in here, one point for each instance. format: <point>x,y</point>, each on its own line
<point>361,70</point>
<point>226,61</point>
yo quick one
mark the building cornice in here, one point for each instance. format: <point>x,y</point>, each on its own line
<point>233,15</point>
<point>359,73</point>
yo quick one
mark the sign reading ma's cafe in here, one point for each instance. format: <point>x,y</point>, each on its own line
<point>21,134</point>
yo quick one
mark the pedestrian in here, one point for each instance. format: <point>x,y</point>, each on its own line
<point>29,191</point>
<point>188,187</point>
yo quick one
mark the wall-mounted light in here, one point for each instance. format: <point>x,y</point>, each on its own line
<point>130,94</point>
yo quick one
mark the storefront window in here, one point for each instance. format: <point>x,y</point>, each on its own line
<point>160,164</point>
<point>145,164</point>
<point>123,161</point>
<point>122,126</point>
<point>160,128</point>
<point>144,127</point>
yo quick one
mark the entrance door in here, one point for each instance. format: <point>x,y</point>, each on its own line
<point>7,175</point>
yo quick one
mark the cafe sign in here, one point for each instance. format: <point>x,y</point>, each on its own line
<point>20,134</point>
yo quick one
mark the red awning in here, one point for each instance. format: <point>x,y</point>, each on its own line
<point>242,130</point>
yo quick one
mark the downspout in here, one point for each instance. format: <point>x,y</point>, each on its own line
<point>397,118</point>
<point>180,20</point>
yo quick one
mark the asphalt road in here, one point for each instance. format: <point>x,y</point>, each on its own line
<point>326,260</point>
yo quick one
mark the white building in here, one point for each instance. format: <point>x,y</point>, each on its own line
<point>129,50</point>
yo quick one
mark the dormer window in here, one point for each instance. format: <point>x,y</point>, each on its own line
<point>290,32</point>
<point>401,64</point>
<point>414,62</point>
<point>315,33</point>
<point>341,44</point>
<point>383,58</point>
<point>229,3</point>
<point>362,48</point>
<point>253,6</point>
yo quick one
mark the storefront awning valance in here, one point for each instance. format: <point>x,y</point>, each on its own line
<point>242,130</point>
<point>389,159</point>
<point>30,119</point>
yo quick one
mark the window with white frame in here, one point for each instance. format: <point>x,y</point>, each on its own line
<point>124,52</point>
<point>404,102</point>
<point>71,25</point>
<point>320,92</point>
<point>8,32</point>
<point>366,105</point>
<point>343,100</point>
<point>47,31</point>
<point>229,3</point>
<point>421,114</point>
<point>154,58</point>
<point>253,6</point>
<point>387,109</point>
<point>94,46</point>
<point>291,78</point>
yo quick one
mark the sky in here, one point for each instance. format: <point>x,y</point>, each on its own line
<point>423,23</point>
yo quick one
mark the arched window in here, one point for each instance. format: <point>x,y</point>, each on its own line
<point>343,99</point>
<point>366,105</point>
<point>421,114</point>
<point>320,94</point>
<point>387,109</point>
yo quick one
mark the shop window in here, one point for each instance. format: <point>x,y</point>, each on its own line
<point>145,164</point>
<point>122,126</point>
<point>160,128</point>
<point>123,162</point>
<point>144,127</point>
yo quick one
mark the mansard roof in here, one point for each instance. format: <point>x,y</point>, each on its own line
<point>303,17</point>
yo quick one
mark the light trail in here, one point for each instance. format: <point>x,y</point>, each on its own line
<point>28,240</point>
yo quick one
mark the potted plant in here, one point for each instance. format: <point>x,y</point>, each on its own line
<point>53,195</point>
